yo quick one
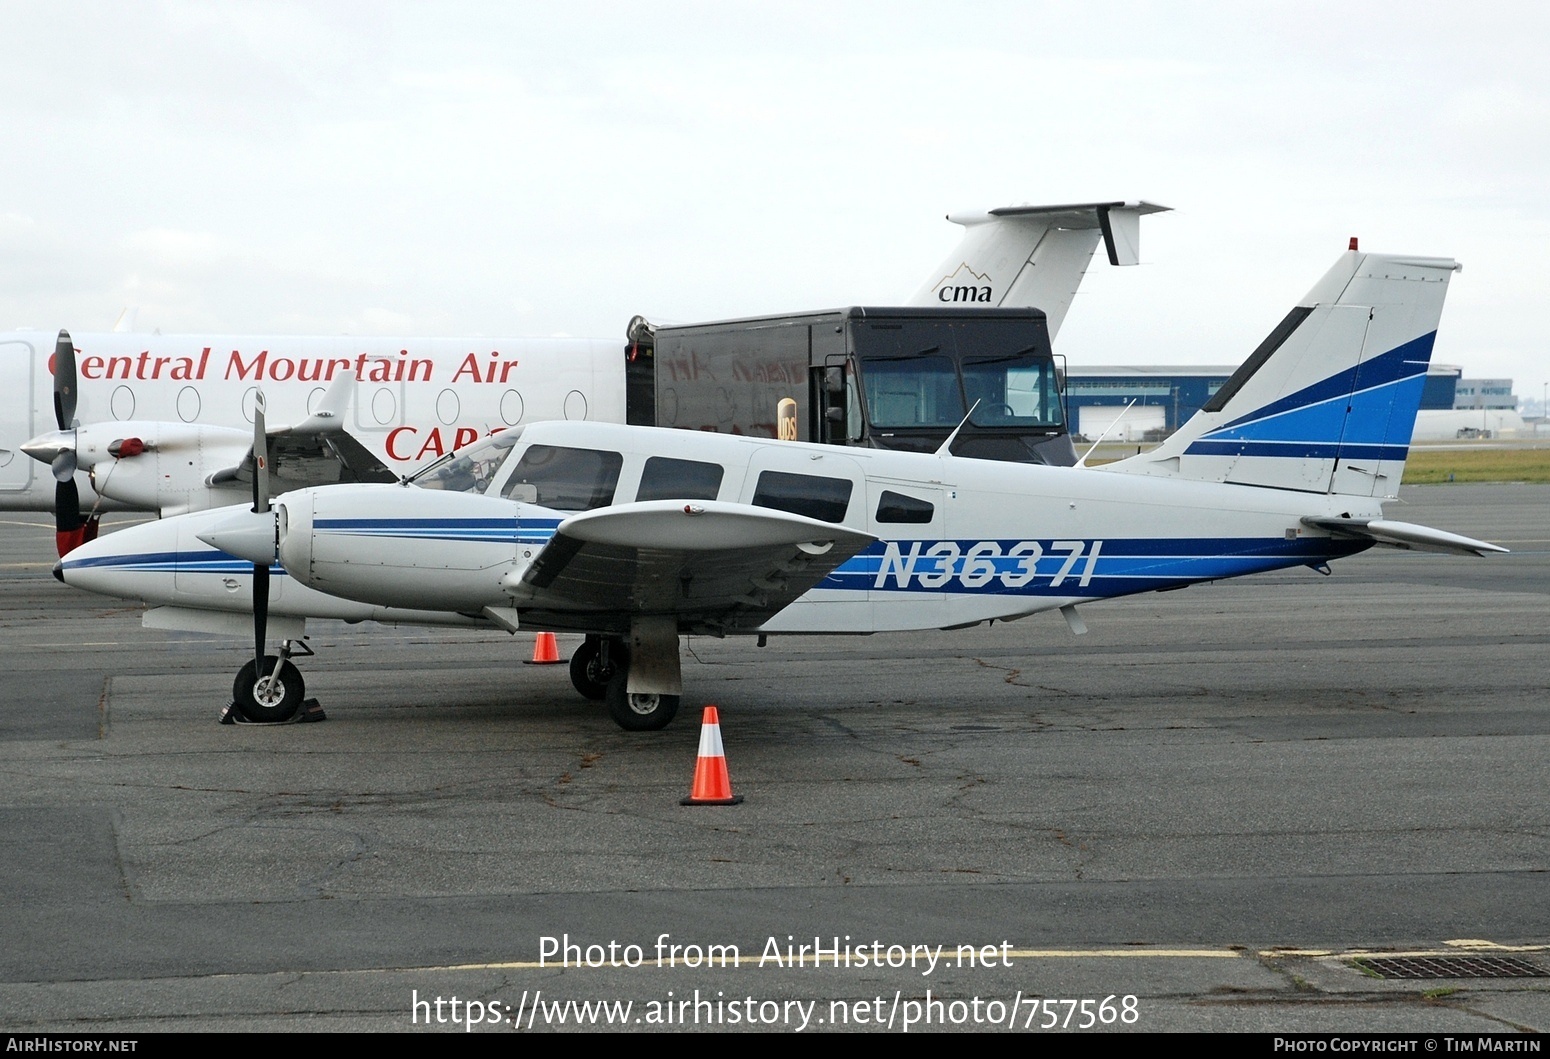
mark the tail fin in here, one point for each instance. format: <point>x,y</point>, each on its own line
<point>1033,256</point>
<point>1327,402</point>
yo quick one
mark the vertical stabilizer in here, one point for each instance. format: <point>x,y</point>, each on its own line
<point>1328,401</point>
<point>1033,256</point>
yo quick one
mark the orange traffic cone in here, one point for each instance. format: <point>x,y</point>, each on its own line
<point>712,785</point>
<point>546,650</point>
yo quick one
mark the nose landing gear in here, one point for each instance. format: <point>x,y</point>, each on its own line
<point>275,695</point>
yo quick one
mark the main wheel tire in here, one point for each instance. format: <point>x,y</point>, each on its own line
<point>274,699</point>
<point>588,674</point>
<point>638,713</point>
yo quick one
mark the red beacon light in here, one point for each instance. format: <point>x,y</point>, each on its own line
<point>1353,243</point>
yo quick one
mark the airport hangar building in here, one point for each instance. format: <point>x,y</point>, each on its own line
<point>1165,396</point>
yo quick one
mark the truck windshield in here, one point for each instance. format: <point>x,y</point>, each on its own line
<point>927,373</point>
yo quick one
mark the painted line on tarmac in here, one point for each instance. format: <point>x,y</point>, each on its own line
<point>838,961</point>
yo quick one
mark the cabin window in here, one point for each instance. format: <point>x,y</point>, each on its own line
<point>897,507</point>
<point>665,478</point>
<point>824,499</point>
<point>565,479</point>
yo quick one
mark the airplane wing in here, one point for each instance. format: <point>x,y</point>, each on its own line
<point>316,451</point>
<point>714,566</point>
<point>300,461</point>
<point>1401,535</point>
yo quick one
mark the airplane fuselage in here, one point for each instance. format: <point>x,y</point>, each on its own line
<point>416,398</point>
<point>957,541</point>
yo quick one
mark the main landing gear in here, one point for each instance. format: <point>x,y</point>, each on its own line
<point>604,668</point>
<point>275,695</point>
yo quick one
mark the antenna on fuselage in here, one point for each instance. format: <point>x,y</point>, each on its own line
<point>1113,423</point>
<point>954,435</point>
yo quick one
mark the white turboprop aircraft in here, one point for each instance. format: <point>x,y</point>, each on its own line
<point>636,536</point>
<point>160,423</point>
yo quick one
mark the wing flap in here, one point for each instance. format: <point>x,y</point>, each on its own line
<point>710,564</point>
<point>1402,535</point>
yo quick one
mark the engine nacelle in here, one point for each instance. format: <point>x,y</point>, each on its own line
<point>400,546</point>
<point>162,466</point>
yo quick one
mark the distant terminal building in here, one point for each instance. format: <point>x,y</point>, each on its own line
<point>1161,398</point>
<point>1479,408</point>
<point>1485,393</point>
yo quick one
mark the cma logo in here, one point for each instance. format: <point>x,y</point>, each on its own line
<point>965,285</point>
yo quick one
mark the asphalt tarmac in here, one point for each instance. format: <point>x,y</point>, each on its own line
<point>1196,817</point>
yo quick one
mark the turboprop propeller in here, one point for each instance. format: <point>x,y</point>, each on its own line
<point>58,450</point>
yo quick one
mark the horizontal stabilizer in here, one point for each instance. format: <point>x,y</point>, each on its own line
<point>1402,535</point>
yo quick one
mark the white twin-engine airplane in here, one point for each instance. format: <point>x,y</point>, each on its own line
<point>636,536</point>
<point>160,423</point>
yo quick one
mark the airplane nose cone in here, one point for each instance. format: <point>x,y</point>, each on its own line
<point>46,448</point>
<point>249,535</point>
<point>59,571</point>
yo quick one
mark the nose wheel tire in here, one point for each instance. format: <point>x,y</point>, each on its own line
<point>274,697</point>
<point>638,712</point>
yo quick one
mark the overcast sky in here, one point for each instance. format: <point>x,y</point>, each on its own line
<point>538,169</point>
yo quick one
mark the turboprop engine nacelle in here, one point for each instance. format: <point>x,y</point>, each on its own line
<point>168,467</point>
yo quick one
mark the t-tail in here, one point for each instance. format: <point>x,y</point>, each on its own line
<point>1328,401</point>
<point>1033,256</point>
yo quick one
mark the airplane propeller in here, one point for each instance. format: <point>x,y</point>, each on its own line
<point>70,529</point>
<point>269,688</point>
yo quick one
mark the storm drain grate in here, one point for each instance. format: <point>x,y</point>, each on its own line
<point>1450,967</point>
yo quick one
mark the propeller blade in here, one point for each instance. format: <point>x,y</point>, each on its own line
<point>260,456</point>
<point>260,616</point>
<point>67,507</point>
<point>69,526</point>
<point>63,465</point>
<point>64,382</point>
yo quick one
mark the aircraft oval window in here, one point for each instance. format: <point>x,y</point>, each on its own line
<point>575,405</point>
<point>824,499</point>
<point>384,405</point>
<point>123,403</point>
<point>511,407</point>
<point>897,507</point>
<point>188,404</point>
<point>447,407</point>
<point>565,479</point>
<point>665,478</point>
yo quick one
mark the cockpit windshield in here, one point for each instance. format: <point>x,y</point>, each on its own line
<point>470,469</point>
